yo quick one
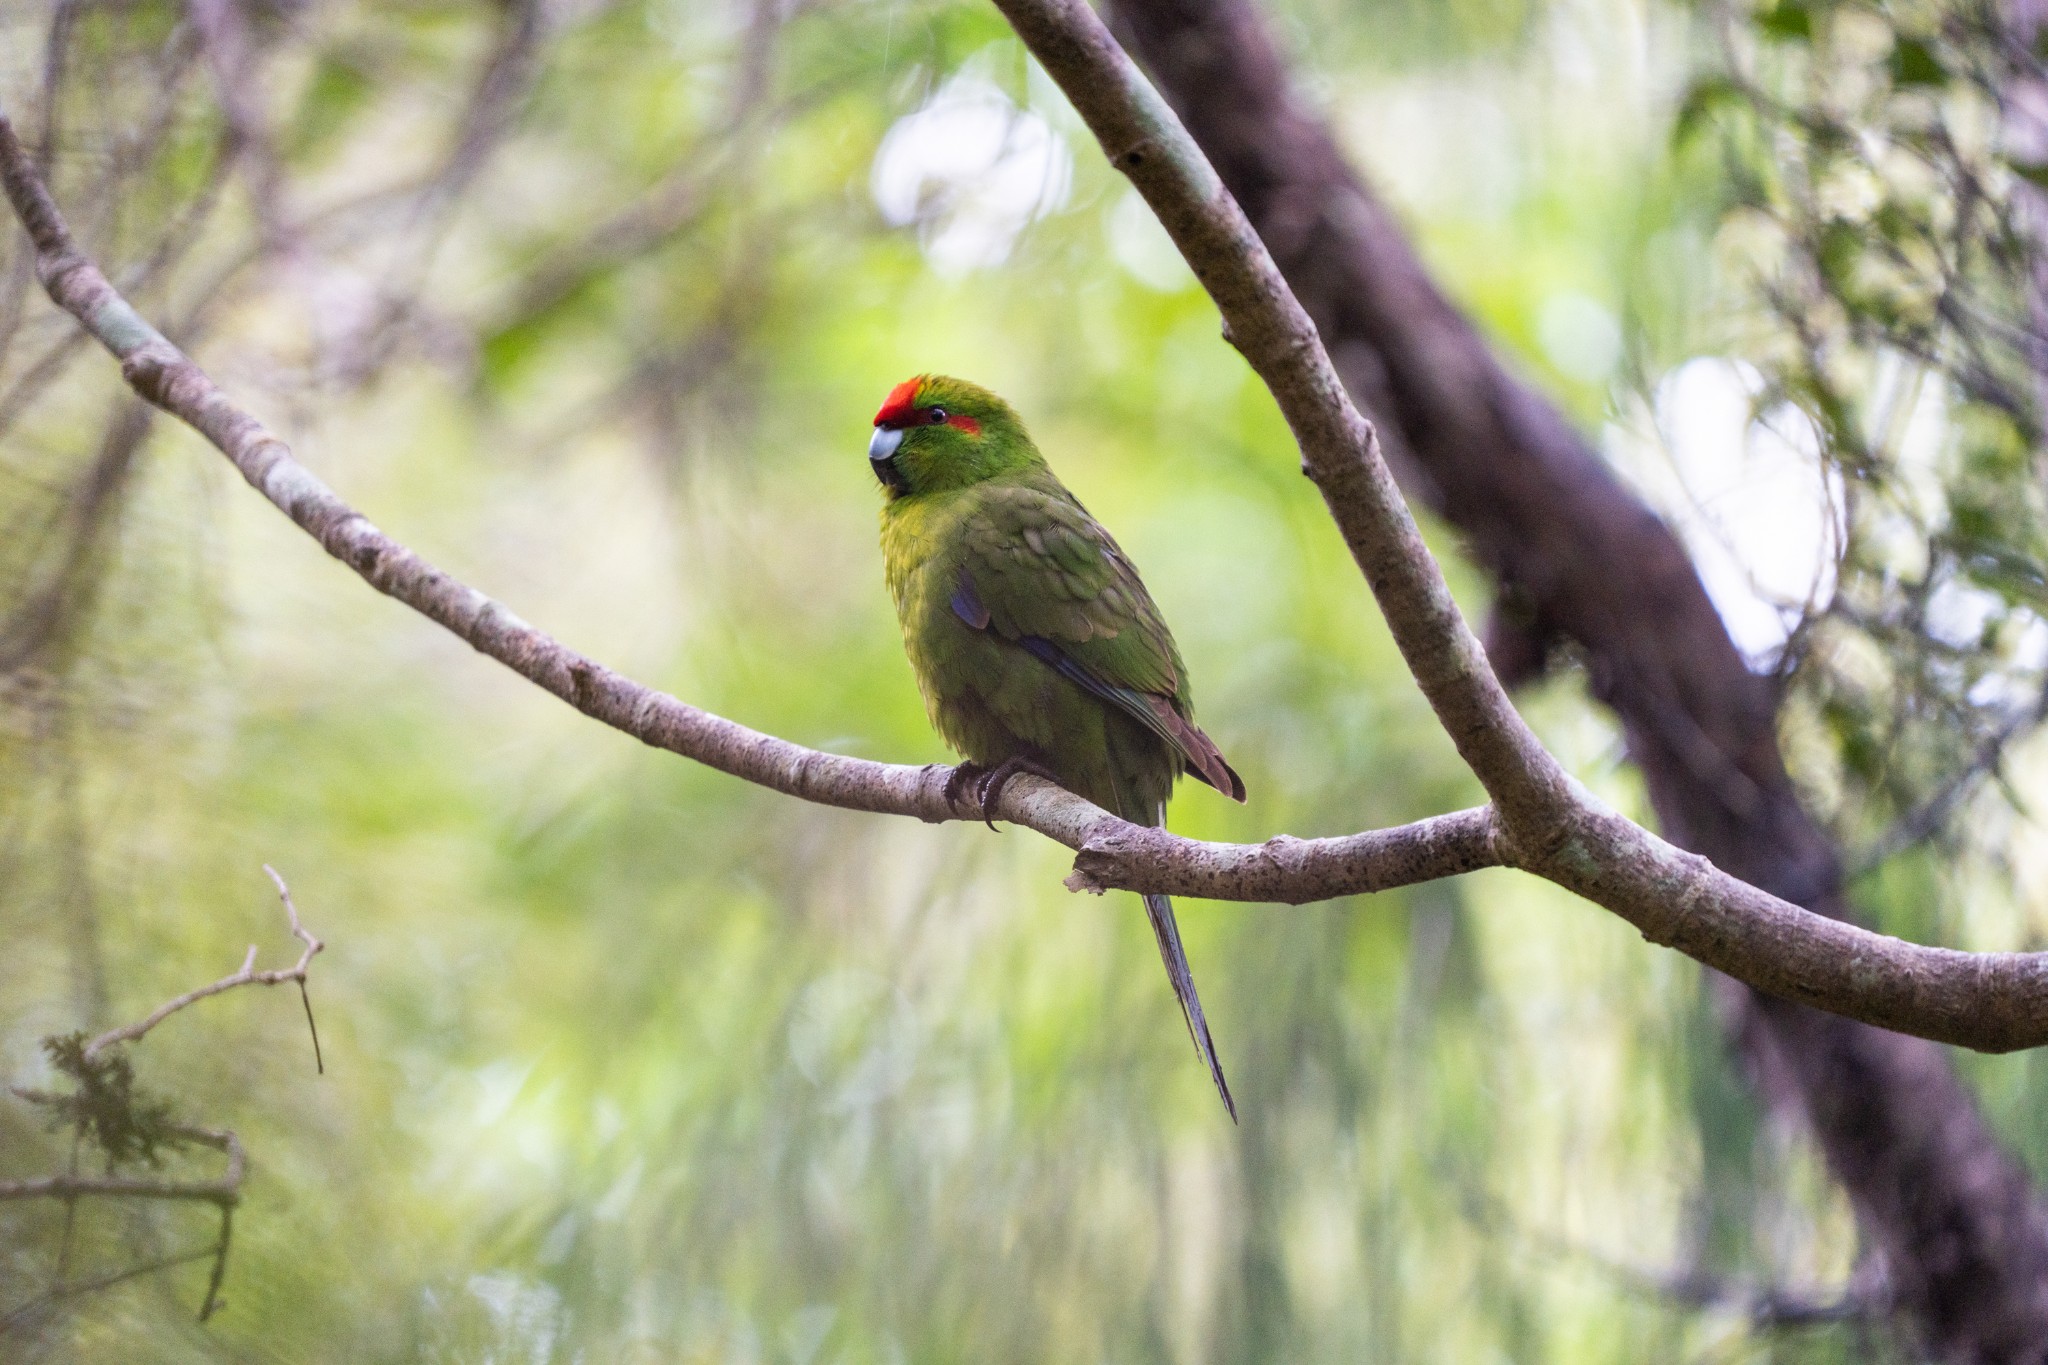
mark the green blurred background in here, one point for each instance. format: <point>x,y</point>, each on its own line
<point>629,1061</point>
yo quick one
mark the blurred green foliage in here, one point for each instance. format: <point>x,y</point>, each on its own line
<point>1878,163</point>
<point>628,1061</point>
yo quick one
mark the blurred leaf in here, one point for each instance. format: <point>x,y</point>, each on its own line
<point>1788,21</point>
<point>1704,99</point>
<point>340,89</point>
<point>1913,63</point>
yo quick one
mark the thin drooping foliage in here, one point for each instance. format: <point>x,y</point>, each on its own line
<point>1885,167</point>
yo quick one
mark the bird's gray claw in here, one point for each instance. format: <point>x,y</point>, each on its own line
<point>957,783</point>
<point>999,777</point>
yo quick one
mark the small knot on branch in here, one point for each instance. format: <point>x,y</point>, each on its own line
<point>1082,880</point>
<point>148,371</point>
<point>1104,860</point>
<point>582,684</point>
<point>1135,155</point>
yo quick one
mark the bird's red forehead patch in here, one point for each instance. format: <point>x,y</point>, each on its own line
<point>901,402</point>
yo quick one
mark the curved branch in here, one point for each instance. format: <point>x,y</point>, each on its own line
<point>1990,1001</point>
<point>1340,450</point>
<point>1946,1212</point>
<point>1290,870</point>
<point>164,375</point>
<point>1546,824</point>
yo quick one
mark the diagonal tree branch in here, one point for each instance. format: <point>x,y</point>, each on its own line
<point>1544,823</point>
<point>166,377</point>
<point>1949,1215</point>
<point>1339,449</point>
<point>1559,831</point>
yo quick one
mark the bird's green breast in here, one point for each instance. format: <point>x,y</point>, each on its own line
<point>922,556</point>
<point>987,696</point>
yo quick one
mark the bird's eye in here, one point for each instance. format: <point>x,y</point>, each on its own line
<point>938,416</point>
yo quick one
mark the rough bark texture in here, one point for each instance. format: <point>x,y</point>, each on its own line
<point>1576,555</point>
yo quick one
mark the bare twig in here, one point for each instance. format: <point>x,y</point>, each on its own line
<point>71,1289</point>
<point>247,976</point>
<point>224,1191</point>
<point>211,1303</point>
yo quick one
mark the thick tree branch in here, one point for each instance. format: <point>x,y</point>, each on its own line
<point>1949,1215</point>
<point>1290,870</point>
<point>1674,897</point>
<point>1994,1002</point>
<point>1339,449</point>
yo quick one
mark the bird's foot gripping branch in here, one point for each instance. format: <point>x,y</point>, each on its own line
<point>1539,821</point>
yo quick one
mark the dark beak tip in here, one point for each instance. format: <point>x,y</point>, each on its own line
<point>882,457</point>
<point>882,445</point>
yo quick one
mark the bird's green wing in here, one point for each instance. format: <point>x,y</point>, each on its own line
<point>1036,569</point>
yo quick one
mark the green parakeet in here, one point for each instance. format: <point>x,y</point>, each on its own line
<point>1034,642</point>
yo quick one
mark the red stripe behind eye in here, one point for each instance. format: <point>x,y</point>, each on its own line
<point>965,423</point>
<point>901,404</point>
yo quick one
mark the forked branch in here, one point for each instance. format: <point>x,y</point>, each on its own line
<point>247,976</point>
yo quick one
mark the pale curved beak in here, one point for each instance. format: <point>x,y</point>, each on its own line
<point>882,445</point>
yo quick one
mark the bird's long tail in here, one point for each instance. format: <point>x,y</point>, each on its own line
<point>1159,910</point>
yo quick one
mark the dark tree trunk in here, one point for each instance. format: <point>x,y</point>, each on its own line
<point>1577,556</point>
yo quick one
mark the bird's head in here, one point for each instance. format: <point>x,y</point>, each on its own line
<point>935,433</point>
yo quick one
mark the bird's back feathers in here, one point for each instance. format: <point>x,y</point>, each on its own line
<point>1035,569</point>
